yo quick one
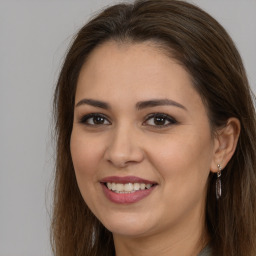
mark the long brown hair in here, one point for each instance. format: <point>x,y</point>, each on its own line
<point>203,47</point>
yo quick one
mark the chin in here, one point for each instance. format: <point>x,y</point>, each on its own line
<point>128,225</point>
<point>128,231</point>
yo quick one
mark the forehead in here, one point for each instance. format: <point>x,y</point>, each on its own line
<point>137,71</point>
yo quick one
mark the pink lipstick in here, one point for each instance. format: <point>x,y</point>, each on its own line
<point>126,190</point>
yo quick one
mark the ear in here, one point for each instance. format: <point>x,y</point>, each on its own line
<point>225,142</point>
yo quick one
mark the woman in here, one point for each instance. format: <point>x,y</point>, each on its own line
<point>155,137</point>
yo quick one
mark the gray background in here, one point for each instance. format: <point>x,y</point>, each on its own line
<point>34,36</point>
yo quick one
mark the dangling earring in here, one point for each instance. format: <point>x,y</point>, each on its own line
<point>218,183</point>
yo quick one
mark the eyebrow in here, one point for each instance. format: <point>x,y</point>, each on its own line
<point>139,105</point>
<point>158,102</point>
<point>94,103</point>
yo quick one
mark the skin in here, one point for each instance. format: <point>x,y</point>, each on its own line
<point>178,155</point>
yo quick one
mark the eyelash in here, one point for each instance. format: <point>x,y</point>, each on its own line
<point>86,118</point>
<point>162,117</point>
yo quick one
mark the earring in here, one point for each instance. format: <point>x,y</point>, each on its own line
<point>218,183</point>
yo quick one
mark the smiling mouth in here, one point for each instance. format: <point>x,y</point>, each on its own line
<point>127,189</point>
<point>121,188</point>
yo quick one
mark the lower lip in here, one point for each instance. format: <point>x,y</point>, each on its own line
<point>126,198</point>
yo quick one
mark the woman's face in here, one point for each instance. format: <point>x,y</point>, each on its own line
<point>141,142</point>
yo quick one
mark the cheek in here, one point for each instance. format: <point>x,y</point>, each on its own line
<point>184,169</point>
<point>183,161</point>
<point>86,153</point>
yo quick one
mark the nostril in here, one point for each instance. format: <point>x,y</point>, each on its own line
<point>123,151</point>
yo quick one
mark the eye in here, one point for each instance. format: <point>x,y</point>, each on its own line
<point>95,119</point>
<point>159,120</point>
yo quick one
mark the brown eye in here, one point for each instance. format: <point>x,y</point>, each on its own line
<point>160,120</point>
<point>94,119</point>
<point>98,120</point>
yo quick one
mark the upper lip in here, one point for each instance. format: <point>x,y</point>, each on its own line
<point>126,179</point>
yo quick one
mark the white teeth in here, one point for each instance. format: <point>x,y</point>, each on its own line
<point>136,186</point>
<point>142,186</point>
<point>127,187</point>
<point>113,186</point>
<point>119,187</point>
<point>148,186</point>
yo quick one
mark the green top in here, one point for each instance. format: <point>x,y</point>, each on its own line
<point>206,252</point>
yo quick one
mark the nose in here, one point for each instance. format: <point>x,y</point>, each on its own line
<point>123,148</point>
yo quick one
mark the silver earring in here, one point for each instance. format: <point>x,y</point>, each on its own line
<point>218,183</point>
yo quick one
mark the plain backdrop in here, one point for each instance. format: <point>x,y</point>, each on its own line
<point>34,36</point>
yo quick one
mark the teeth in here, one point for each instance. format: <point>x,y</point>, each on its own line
<point>136,186</point>
<point>127,187</point>
<point>113,186</point>
<point>148,186</point>
<point>142,186</point>
<point>119,187</point>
